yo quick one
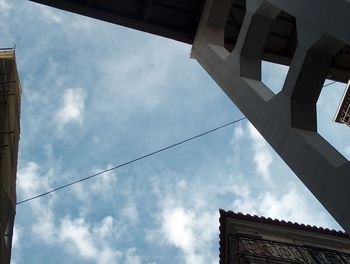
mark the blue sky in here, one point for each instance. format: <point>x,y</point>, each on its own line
<point>96,95</point>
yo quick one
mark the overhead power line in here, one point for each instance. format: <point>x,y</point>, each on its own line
<point>138,158</point>
<point>129,162</point>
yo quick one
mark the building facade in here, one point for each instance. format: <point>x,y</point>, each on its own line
<point>343,113</point>
<point>252,239</point>
<point>10,101</point>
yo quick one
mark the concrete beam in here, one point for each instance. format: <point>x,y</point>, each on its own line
<point>286,120</point>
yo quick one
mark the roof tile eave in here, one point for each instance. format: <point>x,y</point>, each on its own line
<point>261,219</point>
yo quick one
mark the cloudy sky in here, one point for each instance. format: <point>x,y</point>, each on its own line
<point>96,95</point>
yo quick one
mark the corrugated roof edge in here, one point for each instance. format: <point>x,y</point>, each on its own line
<point>260,219</point>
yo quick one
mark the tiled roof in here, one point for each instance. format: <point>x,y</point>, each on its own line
<point>224,215</point>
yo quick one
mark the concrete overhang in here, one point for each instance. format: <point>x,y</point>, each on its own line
<point>179,19</point>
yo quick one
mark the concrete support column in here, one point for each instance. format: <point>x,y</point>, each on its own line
<point>286,120</point>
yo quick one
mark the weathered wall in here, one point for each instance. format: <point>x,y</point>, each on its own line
<point>10,93</point>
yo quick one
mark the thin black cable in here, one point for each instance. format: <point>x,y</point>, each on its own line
<point>328,84</point>
<point>131,161</point>
<point>139,158</point>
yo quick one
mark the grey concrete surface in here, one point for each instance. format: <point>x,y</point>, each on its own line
<point>286,120</point>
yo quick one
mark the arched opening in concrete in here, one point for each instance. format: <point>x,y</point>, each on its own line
<point>234,23</point>
<point>312,74</point>
<point>278,51</point>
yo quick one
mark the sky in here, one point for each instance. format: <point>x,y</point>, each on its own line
<point>96,95</point>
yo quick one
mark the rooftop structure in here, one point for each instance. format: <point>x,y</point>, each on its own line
<point>253,239</point>
<point>10,101</point>
<point>343,113</point>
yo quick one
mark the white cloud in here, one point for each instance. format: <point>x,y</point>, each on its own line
<point>29,182</point>
<point>50,15</point>
<point>104,182</point>
<point>262,154</point>
<point>148,92</point>
<point>190,230</point>
<point>131,257</point>
<point>44,226</point>
<point>244,202</point>
<point>105,229</point>
<point>16,237</point>
<point>77,232</point>
<point>182,184</point>
<point>177,226</point>
<point>208,225</point>
<point>290,206</point>
<point>238,133</point>
<point>103,186</point>
<point>91,242</point>
<point>72,108</point>
<point>4,6</point>
<point>130,212</point>
<point>106,256</point>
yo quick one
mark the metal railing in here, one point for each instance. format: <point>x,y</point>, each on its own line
<point>346,116</point>
<point>4,75</point>
<point>255,250</point>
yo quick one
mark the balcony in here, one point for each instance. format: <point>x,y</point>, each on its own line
<point>243,249</point>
